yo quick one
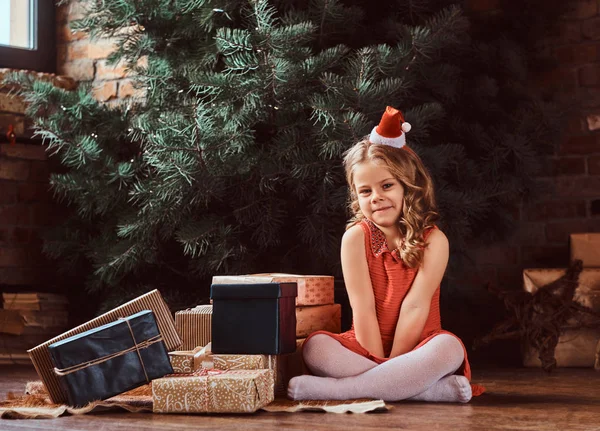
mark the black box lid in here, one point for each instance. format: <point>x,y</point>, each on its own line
<point>253,291</point>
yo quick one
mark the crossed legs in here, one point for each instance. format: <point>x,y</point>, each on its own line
<point>424,374</point>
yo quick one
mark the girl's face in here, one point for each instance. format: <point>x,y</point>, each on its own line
<point>380,195</point>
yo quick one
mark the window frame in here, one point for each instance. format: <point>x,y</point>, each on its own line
<point>43,58</point>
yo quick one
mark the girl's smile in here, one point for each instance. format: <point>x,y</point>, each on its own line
<point>382,209</point>
<point>380,196</point>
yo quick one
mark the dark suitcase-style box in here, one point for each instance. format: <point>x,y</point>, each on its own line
<point>257,319</point>
<point>111,359</point>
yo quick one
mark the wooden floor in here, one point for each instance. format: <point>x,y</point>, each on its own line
<point>517,399</point>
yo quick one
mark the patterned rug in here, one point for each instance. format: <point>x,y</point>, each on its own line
<point>36,404</point>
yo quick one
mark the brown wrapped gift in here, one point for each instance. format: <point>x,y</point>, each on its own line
<point>575,348</point>
<point>295,365</point>
<point>318,318</point>
<point>250,362</point>
<point>194,325</point>
<point>312,289</point>
<point>185,362</point>
<point>40,356</point>
<point>587,292</point>
<point>243,391</point>
<point>586,246</point>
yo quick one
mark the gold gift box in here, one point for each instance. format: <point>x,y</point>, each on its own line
<point>241,391</point>
<point>250,362</point>
<point>185,362</point>
<point>576,347</point>
<point>586,246</point>
<point>587,292</point>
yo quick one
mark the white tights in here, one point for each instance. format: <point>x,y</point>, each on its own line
<point>424,374</point>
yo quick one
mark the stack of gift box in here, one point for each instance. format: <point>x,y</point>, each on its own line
<point>27,319</point>
<point>313,308</point>
<point>227,357</point>
<point>576,347</point>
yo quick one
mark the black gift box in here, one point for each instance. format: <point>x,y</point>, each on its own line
<point>255,319</point>
<point>111,359</point>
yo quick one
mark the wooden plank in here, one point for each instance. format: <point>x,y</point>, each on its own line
<point>516,399</point>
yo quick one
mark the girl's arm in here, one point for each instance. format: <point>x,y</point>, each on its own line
<point>415,307</point>
<point>360,290</point>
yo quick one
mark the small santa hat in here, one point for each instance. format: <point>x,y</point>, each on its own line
<point>391,129</point>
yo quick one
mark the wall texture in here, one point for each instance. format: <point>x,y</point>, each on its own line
<point>571,202</point>
<point>84,60</point>
<point>572,173</point>
<point>26,204</point>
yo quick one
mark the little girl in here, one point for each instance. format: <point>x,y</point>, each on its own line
<point>393,260</point>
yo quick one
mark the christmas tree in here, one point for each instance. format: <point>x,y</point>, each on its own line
<point>231,163</point>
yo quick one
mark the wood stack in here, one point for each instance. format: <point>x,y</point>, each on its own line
<point>29,319</point>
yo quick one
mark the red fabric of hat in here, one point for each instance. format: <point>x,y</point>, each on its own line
<point>390,125</point>
<point>391,129</point>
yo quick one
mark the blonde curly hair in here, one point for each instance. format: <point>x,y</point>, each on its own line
<point>419,211</point>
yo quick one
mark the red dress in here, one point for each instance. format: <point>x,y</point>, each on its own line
<point>391,280</point>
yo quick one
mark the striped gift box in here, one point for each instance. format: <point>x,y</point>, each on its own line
<point>194,325</point>
<point>40,355</point>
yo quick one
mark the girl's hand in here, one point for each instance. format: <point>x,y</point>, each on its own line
<point>360,290</point>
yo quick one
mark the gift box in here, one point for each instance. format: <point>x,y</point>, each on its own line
<point>295,365</point>
<point>194,325</point>
<point>586,247</point>
<point>185,362</point>
<point>40,355</point>
<point>111,359</point>
<point>318,318</point>
<point>575,348</point>
<point>312,289</point>
<point>587,292</point>
<point>242,391</point>
<point>257,319</point>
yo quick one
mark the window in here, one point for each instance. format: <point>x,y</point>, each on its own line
<point>27,35</point>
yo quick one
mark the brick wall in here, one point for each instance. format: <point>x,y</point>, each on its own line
<point>571,202</point>
<point>26,207</point>
<point>85,60</point>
